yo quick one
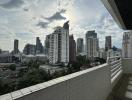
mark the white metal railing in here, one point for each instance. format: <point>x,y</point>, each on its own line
<point>115,68</point>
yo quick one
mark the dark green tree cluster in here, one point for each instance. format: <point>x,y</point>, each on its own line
<point>12,67</point>
<point>5,88</point>
<point>33,65</point>
<point>57,74</point>
<point>33,75</point>
<point>26,77</point>
<point>80,61</point>
<point>30,76</point>
<point>8,87</point>
<point>101,60</point>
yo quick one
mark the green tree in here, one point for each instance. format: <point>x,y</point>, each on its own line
<point>83,60</point>
<point>12,67</point>
<point>69,70</point>
<point>57,74</point>
<point>33,77</point>
<point>33,64</point>
<point>101,60</point>
<point>22,72</point>
<point>1,87</point>
<point>80,61</point>
<point>6,88</point>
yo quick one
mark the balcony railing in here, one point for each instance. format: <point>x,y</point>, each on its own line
<point>115,68</point>
<point>92,84</point>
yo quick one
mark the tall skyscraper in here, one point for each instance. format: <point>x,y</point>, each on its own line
<point>47,44</point>
<point>16,43</point>
<point>92,34</point>
<point>39,46</point>
<point>108,44</point>
<point>72,49</point>
<point>127,45</point>
<point>29,49</point>
<point>92,45</point>
<point>59,45</point>
<point>80,45</point>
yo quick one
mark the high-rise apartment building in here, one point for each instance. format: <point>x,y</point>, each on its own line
<point>92,34</point>
<point>92,45</point>
<point>72,49</point>
<point>16,43</point>
<point>108,44</point>
<point>59,45</point>
<point>80,45</point>
<point>127,45</point>
<point>39,46</point>
<point>53,53</point>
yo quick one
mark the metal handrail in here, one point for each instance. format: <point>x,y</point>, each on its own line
<point>115,66</point>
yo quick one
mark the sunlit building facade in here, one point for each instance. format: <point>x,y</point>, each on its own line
<point>59,45</point>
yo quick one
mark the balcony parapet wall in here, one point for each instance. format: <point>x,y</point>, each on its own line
<point>127,65</point>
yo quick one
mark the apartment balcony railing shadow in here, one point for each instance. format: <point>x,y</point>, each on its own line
<point>110,81</point>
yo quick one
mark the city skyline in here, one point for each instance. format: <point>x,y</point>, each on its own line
<point>81,48</point>
<point>24,20</point>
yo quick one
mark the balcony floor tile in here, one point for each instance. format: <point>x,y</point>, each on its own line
<point>123,89</point>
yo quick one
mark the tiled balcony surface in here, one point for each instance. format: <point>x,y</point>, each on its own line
<point>123,89</point>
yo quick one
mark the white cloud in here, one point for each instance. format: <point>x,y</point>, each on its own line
<point>31,18</point>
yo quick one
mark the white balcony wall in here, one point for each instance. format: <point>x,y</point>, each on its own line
<point>127,65</point>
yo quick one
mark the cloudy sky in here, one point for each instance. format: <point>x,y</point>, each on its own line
<point>26,19</point>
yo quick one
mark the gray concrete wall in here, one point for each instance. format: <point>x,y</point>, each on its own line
<point>127,65</point>
<point>90,84</point>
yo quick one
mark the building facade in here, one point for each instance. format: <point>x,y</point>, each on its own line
<point>102,53</point>
<point>92,45</point>
<point>29,49</point>
<point>47,44</point>
<point>5,57</point>
<point>53,52</point>
<point>72,49</point>
<point>16,44</point>
<point>127,45</point>
<point>108,43</point>
<point>59,45</point>
<point>39,46</point>
<point>80,45</point>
